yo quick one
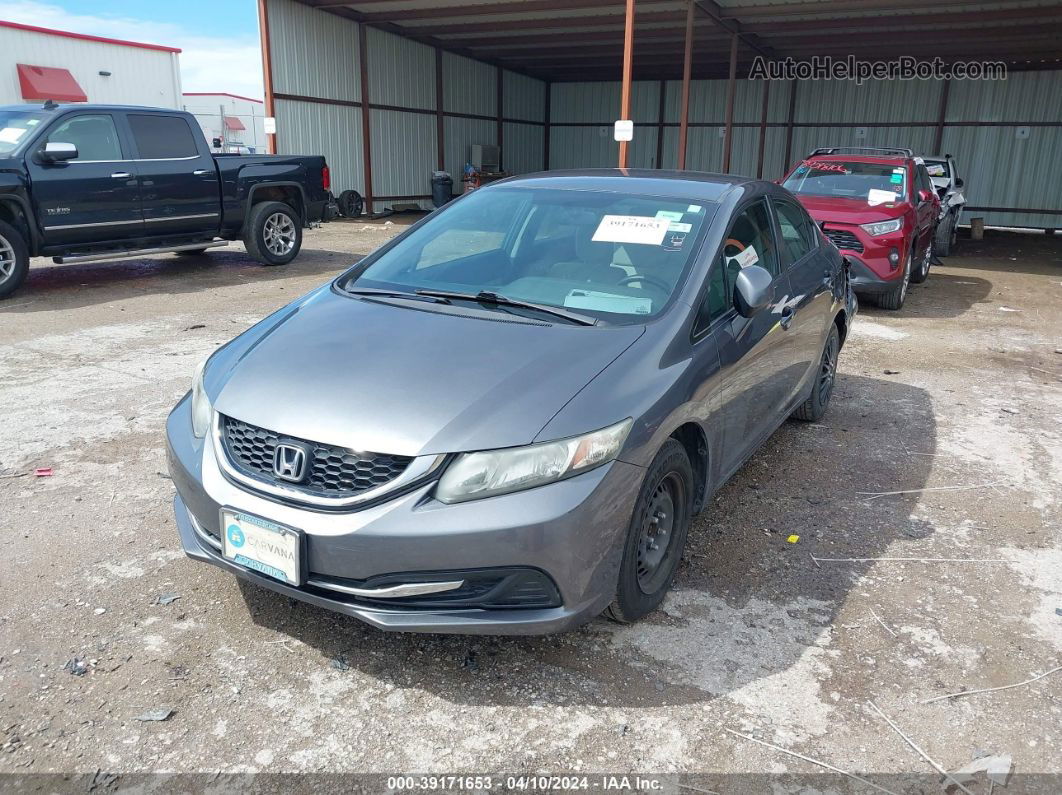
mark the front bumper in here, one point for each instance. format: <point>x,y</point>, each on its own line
<point>571,531</point>
<point>872,271</point>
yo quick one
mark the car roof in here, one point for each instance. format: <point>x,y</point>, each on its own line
<point>65,106</point>
<point>687,184</point>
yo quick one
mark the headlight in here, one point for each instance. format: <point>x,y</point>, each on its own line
<point>882,227</point>
<point>475,475</point>
<point>202,411</point>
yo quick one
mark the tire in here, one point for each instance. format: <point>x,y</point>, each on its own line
<point>895,297</point>
<point>350,204</point>
<point>14,259</point>
<point>193,252</point>
<point>944,237</point>
<point>921,271</point>
<point>663,508</point>
<point>813,409</point>
<point>274,233</point>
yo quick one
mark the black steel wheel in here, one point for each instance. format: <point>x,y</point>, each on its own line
<point>656,535</point>
<point>813,409</point>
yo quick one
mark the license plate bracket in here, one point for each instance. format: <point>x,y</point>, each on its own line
<point>263,546</point>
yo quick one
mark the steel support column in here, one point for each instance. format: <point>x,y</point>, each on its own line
<point>687,68</point>
<point>625,94</point>
<point>938,145</point>
<point>731,90</point>
<point>763,128</point>
<point>267,73</point>
<point>366,145</point>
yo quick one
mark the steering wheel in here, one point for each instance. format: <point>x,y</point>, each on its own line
<point>735,243</point>
<point>649,279</point>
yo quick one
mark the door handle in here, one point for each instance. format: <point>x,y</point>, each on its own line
<point>121,175</point>
<point>787,317</point>
<point>200,172</point>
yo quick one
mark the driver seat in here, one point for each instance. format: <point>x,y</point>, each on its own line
<point>593,263</point>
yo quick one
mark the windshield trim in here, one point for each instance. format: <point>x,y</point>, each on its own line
<point>605,319</point>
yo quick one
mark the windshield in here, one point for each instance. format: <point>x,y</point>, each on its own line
<point>870,181</point>
<point>15,128</point>
<point>938,171</point>
<point>613,256</point>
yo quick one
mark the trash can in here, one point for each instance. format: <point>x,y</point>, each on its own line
<point>442,188</point>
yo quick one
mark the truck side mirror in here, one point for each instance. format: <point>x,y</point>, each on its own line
<point>753,290</point>
<point>57,152</point>
<point>958,182</point>
<point>216,143</point>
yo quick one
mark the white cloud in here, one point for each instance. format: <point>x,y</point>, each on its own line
<point>208,63</point>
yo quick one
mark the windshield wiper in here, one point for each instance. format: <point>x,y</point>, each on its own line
<point>376,291</point>
<point>490,297</point>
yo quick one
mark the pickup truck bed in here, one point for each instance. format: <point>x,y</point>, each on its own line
<point>85,182</point>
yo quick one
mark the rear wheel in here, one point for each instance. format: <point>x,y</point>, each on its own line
<point>656,535</point>
<point>274,233</point>
<point>813,409</point>
<point>14,259</point>
<point>895,297</point>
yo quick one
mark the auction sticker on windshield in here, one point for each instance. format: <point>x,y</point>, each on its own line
<point>262,546</point>
<point>632,229</point>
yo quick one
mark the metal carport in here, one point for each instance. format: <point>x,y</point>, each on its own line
<point>389,90</point>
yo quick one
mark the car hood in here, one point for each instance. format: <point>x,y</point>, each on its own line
<point>850,211</point>
<point>407,381</point>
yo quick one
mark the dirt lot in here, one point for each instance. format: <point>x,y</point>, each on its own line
<point>956,402</point>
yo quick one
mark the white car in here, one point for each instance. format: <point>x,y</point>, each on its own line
<point>949,187</point>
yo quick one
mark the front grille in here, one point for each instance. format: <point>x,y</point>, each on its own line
<point>331,471</point>
<point>842,238</point>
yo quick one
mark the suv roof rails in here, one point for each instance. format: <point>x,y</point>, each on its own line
<point>855,150</point>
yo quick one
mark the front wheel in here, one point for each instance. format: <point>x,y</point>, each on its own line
<point>946,236</point>
<point>813,409</point>
<point>895,297</point>
<point>14,259</point>
<point>656,535</point>
<point>921,271</point>
<point>274,233</point>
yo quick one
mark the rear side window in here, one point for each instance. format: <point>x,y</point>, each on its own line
<point>94,137</point>
<point>162,137</point>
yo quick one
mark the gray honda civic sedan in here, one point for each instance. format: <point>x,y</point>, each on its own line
<point>505,419</point>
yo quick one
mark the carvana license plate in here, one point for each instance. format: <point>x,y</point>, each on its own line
<point>261,545</point>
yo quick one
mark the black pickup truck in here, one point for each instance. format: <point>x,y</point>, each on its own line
<point>89,182</point>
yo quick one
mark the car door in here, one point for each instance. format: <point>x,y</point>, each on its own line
<point>756,355</point>
<point>92,198</point>
<point>927,208</point>
<point>179,188</point>
<point>810,274</point>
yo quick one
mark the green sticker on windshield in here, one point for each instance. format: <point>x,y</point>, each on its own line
<point>670,215</point>
<point>897,178</point>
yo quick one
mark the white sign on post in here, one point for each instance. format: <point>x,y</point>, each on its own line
<point>624,130</point>
<point>270,125</point>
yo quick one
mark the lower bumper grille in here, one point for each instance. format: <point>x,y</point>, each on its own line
<point>842,238</point>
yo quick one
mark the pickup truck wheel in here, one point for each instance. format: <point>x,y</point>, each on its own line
<point>14,259</point>
<point>274,233</point>
<point>656,535</point>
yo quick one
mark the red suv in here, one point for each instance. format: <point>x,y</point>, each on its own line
<point>879,208</point>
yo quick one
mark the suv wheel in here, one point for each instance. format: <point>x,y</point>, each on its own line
<point>813,409</point>
<point>921,273</point>
<point>897,295</point>
<point>14,259</point>
<point>274,233</point>
<point>656,536</point>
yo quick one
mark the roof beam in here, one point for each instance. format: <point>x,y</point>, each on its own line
<point>730,25</point>
<point>443,11</point>
<point>832,7</point>
<point>546,23</point>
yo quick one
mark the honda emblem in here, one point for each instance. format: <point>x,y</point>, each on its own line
<point>289,462</point>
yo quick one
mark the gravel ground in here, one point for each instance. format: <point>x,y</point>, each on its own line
<point>956,402</point>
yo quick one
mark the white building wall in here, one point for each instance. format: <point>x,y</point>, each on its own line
<point>138,76</point>
<point>210,110</point>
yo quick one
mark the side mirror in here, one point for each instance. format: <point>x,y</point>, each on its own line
<point>924,195</point>
<point>753,290</point>
<point>57,152</point>
<point>958,182</point>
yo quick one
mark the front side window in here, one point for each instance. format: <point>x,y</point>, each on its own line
<point>750,241</point>
<point>614,256</point>
<point>162,137</point>
<point>797,230</point>
<point>94,136</point>
<point>873,182</point>
<point>16,127</point>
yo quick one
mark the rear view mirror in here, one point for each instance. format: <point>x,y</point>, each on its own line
<point>56,151</point>
<point>753,290</point>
